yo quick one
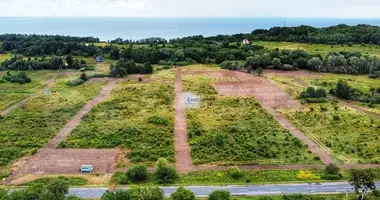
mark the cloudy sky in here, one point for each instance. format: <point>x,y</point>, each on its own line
<point>188,8</point>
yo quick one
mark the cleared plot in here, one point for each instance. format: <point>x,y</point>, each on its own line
<point>198,67</point>
<point>30,127</point>
<point>69,161</point>
<point>137,116</point>
<point>352,136</point>
<point>11,93</point>
<point>237,130</point>
<point>322,48</point>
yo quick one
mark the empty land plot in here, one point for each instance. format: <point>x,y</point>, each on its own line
<point>352,136</point>
<point>31,126</point>
<point>137,116</point>
<point>237,130</point>
<point>11,93</point>
<point>359,82</point>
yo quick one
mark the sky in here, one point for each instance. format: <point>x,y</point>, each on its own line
<point>194,8</point>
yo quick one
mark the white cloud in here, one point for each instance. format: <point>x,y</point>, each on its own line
<point>182,8</point>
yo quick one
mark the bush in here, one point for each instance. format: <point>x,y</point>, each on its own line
<point>182,194</point>
<point>138,173</point>
<point>75,82</point>
<point>120,178</point>
<point>376,193</point>
<point>311,92</point>
<point>145,194</point>
<point>220,195</point>
<point>235,172</point>
<point>84,77</point>
<point>164,172</point>
<point>331,172</point>
<point>20,77</point>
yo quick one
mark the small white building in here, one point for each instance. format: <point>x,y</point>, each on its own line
<point>245,41</point>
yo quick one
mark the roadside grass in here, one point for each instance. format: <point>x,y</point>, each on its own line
<point>289,85</point>
<point>249,177</point>
<point>73,181</point>
<point>11,93</point>
<point>352,136</point>
<point>31,126</point>
<point>229,131</point>
<point>351,196</point>
<point>322,49</point>
<point>137,116</point>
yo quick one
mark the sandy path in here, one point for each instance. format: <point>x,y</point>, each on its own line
<point>181,144</point>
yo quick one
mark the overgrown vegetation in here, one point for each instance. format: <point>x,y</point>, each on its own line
<point>136,116</point>
<point>30,127</point>
<point>352,136</point>
<point>72,181</point>
<point>313,95</point>
<point>237,130</point>
<point>19,77</point>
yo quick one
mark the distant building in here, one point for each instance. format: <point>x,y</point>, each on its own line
<point>99,59</point>
<point>245,41</point>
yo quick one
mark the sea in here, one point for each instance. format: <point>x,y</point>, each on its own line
<point>109,28</point>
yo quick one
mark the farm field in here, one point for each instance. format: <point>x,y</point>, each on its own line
<point>353,137</point>
<point>11,93</point>
<point>322,49</point>
<point>4,57</point>
<point>237,130</point>
<point>31,126</point>
<point>137,117</point>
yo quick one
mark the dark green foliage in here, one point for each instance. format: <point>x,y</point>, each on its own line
<point>9,154</point>
<point>138,173</point>
<point>19,77</point>
<point>69,60</point>
<point>231,65</point>
<point>73,197</point>
<point>331,172</point>
<point>362,180</point>
<point>182,194</point>
<point>121,178</point>
<point>55,190</point>
<point>343,90</point>
<point>235,172</point>
<point>220,195</point>
<point>158,120</point>
<point>312,95</point>
<point>165,173</point>
<point>84,77</point>
<point>75,82</point>
<point>376,193</point>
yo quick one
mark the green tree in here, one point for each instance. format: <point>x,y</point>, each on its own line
<point>362,181</point>
<point>220,195</point>
<point>84,77</point>
<point>146,194</point>
<point>343,90</point>
<point>138,173</point>
<point>55,190</point>
<point>315,63</point>
<point>331,172</point>
<point>182,194</point>
<point>165,173</point>
<point>235,172</point>
<point>276,62</point>
<point>70,61</point>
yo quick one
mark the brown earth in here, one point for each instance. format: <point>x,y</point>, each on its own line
<point>181,144</point>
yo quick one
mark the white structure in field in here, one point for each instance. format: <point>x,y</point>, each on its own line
<point>245,41</point>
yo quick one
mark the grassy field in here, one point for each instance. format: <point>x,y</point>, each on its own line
<point>352,136</point>
<point>4,57</point>
<point>30,127</point>
<point>11,93</point>
<point>138,117</point>
<point>237,130</point>
<point>322,49</point>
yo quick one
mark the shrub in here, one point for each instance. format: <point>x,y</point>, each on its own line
<point>145,194</point>
<point>182,194</point>
<point>376,193</point>
<point>220,195</point>
<point>164,172</point>
<point>75,82</point>
<point>84,77</point>
<point>331,172</point>
<point>138,173</point>
<point>158,120</point>
<point>120,178</point>
<point>20,77</point>
<point>235,172</point>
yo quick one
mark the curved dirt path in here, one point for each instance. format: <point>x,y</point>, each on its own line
<point>181,144</point>
<point>32,164</point>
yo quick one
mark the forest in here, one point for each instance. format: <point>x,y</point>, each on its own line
<point>49,52</point>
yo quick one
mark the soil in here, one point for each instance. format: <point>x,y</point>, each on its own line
<point>181,144</point>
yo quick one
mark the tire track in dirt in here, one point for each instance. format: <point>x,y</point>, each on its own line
<point>181,144</point>
<point>28,166</point>
<point>13,107</point>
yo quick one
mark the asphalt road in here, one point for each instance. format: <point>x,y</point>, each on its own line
<point>252,190</point>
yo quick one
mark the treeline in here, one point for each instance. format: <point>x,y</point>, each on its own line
<point>152,40</point>
<point>343,62</point>
<point>54,62</point>
<point>340,34</point>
